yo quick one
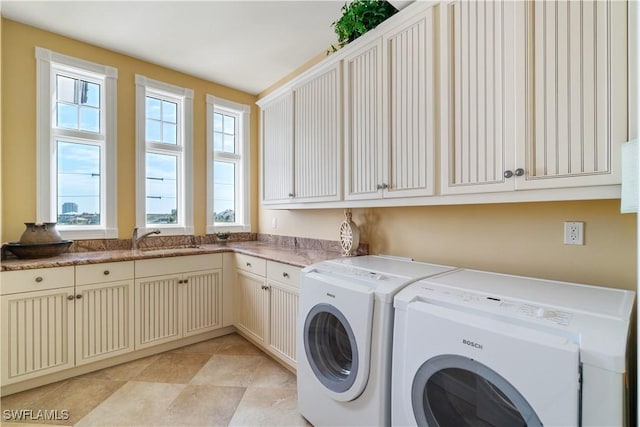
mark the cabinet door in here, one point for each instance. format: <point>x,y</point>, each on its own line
<point>104,320</point>
<point>277,150</point>
<point>317,138</point>
<point>37,333</point>
<point>577,117</point>
<point>251,305</point>
<point>157,317</point>
<point>482,94</point>
<point>363,122</point>
<point>202,301</point>
<point>409,103</point>
<point>283,308</point>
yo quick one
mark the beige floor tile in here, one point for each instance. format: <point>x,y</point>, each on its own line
<point>123,372</point>
<point>203,405</point>
<point>27,399</point>
<point>205,347</point>
<point>135,404</point>
<point>268,407</point>
<point>228,371</point>
<point>177,368</point>
<point>72,400</point>
<point>234,344</point>
<point>271,374</point>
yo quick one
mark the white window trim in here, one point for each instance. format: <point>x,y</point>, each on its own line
<point>244,217</point>
<point>45,159</point>
<point>186,189</point>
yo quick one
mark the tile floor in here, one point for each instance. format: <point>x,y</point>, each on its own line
<point>223,381</point>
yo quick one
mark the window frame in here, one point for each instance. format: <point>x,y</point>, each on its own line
<point>48,64</point>
<point>242,112</point>
<point>183,149</point>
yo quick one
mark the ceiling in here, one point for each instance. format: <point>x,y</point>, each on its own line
<point>247,45</point>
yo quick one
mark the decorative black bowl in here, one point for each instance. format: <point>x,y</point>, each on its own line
<point>42,250</point>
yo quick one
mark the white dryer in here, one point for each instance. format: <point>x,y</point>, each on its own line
<point>478,348</point>
<point>344,337</point>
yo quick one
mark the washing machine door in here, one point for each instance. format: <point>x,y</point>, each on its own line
<point>331,348</point>
<point>456,391</point>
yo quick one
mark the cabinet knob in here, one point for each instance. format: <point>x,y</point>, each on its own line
<point>519,172</point>
<point>382,186</point>
<point>264,287</point>
<point>106,272</point>
<point>248,264</point>
<point>79,296</point>
<point>285,275</point>
<point>39,279</point>
<point>70,297</point>
<point>507,174</point>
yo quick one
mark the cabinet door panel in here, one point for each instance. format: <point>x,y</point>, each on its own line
<point>251,305</point>
<point>203,298</point>
<point>579,119</point>
<point>479,94</point>
<point>37,333</point>
<point>104,321</point>
<point>283,305</point>
<point>317,138</point>
<point>409,105</point>
<point>277,150</point>
<point>363,122</point>
<point>157,315</point>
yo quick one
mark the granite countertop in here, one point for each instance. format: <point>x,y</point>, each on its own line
<point>297,257</point>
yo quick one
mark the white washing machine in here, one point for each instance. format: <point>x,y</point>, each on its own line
<point>484,349</point>
<point>344,337</point>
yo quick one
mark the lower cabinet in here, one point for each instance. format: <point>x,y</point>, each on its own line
<point>266,305</point>
<point>37,333</point>
<point>187,300</point>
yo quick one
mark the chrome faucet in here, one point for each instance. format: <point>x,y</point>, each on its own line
<point>135,239</point>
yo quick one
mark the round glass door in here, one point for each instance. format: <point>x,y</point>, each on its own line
<point>331,347</point>
<point>455,391</point>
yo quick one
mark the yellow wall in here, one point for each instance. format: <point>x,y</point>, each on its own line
<point>514,238</point>
<point>19,119</point>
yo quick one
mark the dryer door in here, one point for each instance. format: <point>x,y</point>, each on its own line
<point>471,369</point>
<point>452,390</point>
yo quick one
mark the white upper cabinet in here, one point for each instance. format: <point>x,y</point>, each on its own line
<point>534,95</point>
<point>479,94</point>
<point>317,137</point>
<point>576,118</point>
<point>363,122</point>
<point>277,150</point>
<point>409,106</point>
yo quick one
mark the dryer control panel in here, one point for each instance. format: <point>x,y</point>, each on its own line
<point>496,305</point>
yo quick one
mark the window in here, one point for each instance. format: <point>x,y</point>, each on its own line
<point>76,148</point>
<point>227,166</point>
<point>164,115</point>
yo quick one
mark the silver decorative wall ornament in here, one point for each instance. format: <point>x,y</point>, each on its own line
<point>349,235</point>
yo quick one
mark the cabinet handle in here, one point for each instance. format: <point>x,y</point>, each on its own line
<point>39,279</point>
<point>106,272</point>
<point>519,172</point>
<point>385,186</point>
<point>507,174</point>
<point>290,195</point>
<point>70,297</point>
<point>79,296</point>
<point>285,275</point>
<point>264,287</point>
<point>248,264</point>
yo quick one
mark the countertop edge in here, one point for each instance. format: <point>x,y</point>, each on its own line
<point>297,257</point>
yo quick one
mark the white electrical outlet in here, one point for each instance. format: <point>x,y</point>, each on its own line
<point>574,233</point>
